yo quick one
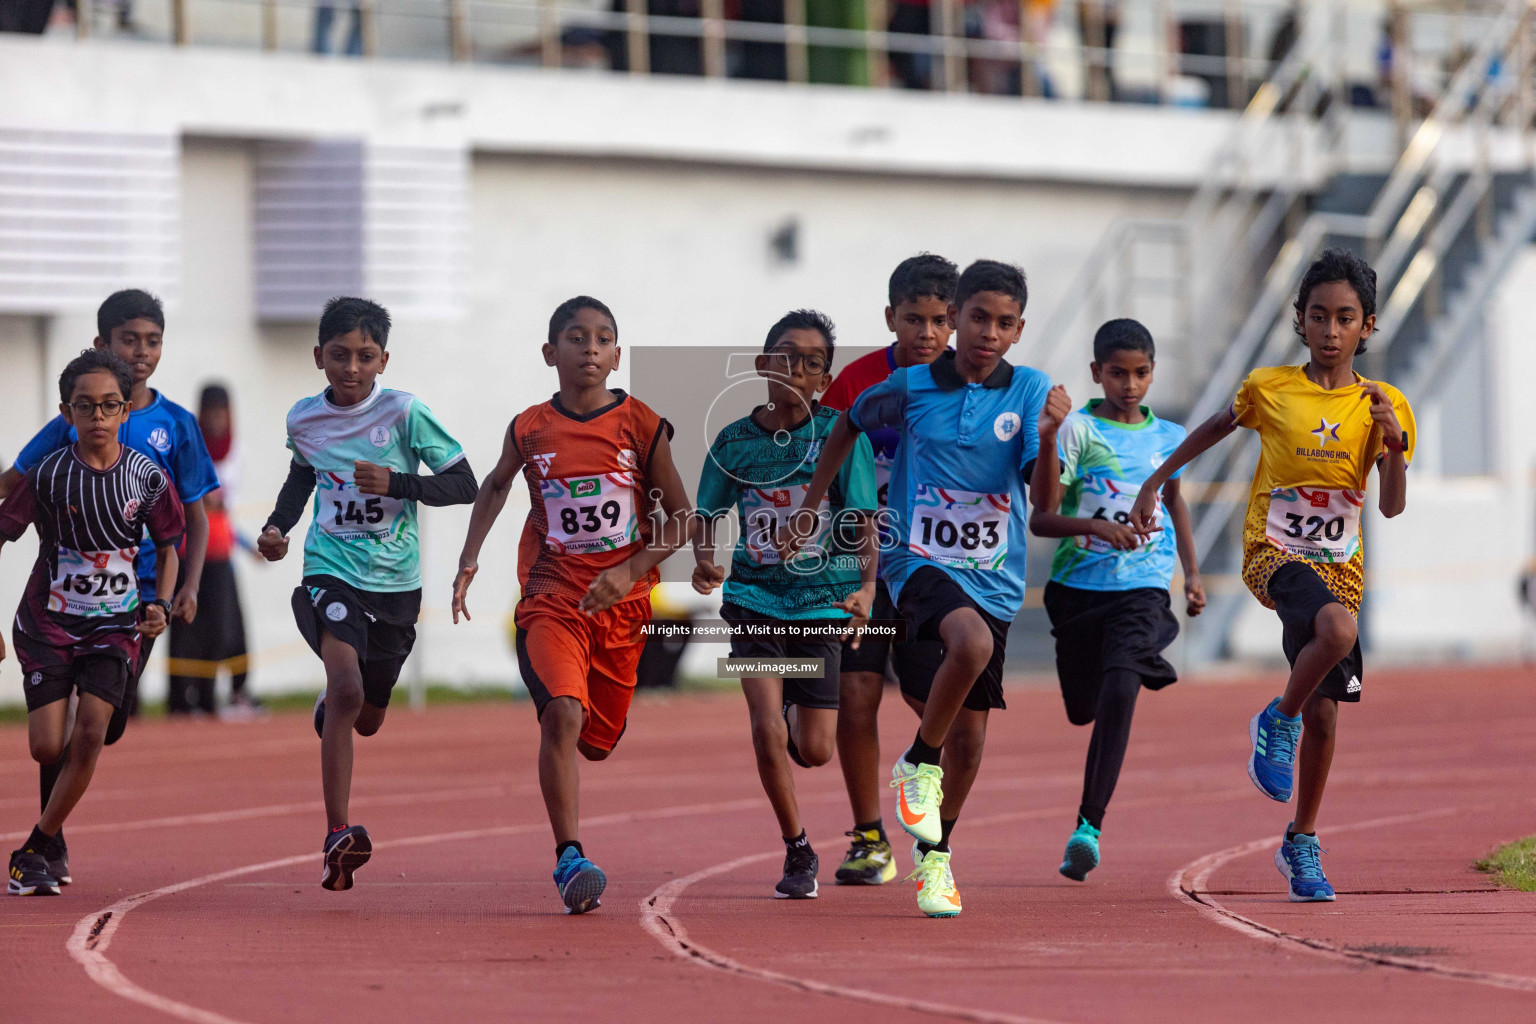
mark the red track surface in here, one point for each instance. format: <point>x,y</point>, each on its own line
<point>1433,770</point>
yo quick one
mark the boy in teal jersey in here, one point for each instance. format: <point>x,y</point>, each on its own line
<point>760,465</point>
<point>358,446</point>
<point>1108,593</point>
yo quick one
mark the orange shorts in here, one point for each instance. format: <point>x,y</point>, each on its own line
<point>564,653</point>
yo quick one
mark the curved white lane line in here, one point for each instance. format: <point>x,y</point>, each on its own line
<point>1188,885</point>
<point>93,933</point>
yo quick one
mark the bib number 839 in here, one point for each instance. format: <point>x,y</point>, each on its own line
<point>589,518</point>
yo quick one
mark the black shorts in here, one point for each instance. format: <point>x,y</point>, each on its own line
<point>379,626</point>
<point>808,693</point>
<point>53,673</point>
<point>913,662</point>
<point>1100,630</point>
<point>926,598</point>
<point>1299,594</point>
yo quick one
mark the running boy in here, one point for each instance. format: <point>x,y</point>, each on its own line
<point>358,447</point>
<point>974,429</point>
<point>1323,427</point>
<point>920,291</point>
<point>759,465</point>
<point>131,325</point>
<point>599,465</point>
<point>1108,593</point>
<point>82,614</point>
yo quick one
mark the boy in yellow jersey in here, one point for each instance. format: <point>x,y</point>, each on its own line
<point>1323,427</point>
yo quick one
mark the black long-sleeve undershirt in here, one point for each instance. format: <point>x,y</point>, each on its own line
<point>455,485</point>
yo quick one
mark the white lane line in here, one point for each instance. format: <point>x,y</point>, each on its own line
<point>1189,885</point>
<point>93,933</point>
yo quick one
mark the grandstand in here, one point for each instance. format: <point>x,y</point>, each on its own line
<point>702,169</point>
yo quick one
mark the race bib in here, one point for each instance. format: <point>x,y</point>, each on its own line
<point>964,529</point>
<point>765,511</point>
<point>347,514</point>
<point>1111,499</point>
<point>590,513</point>
<point>94,583</point>
<point>1318,524</point>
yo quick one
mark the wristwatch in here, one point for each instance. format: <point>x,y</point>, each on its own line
<point>1400,446</point>
<point>163,603</point>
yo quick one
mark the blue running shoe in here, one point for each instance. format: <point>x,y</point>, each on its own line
<point>580,882</point>
<point>1082,854</point>
<point>1274,737</point>
<point>1299,860</point>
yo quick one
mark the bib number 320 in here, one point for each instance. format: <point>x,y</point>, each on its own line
<point>1318,524</point>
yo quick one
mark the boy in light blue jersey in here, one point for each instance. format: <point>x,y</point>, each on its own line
<point>131,325</point>
<point>358,447</point>
<point>974,431</point>
<point>760,466</point>
<point>1108,594</point>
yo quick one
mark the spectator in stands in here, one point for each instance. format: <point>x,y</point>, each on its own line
<point>837,65</point>
<point>214,640</point>
<point>762,61</point>
<point>325,17</point>
<point>670,54</point>
<point>1099,21</point>
<point>911,70</point>
<point>996,20</point>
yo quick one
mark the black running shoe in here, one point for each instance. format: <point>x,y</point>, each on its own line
<point>57,856</point>
<point>799,881</point>
<point>794,751</point>
<point>345,850</point>
<point>320,715</point>
<point>29,875</point>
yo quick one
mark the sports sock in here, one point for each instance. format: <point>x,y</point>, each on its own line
<point>48,777</point>
<point>38,841</point>
<point>872,826</point>
<point>798,842</point>
<point>1290,836</point>
<point>1111,735</point>
<point>569,844</point>
<point>920,752</point>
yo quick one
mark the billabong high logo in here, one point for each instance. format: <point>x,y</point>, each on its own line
<point>589,487</point>
<point>1326,432</point>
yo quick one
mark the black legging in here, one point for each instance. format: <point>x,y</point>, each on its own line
<point>1111,734</point>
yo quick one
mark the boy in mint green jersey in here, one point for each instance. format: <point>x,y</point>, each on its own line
<point>1108,592</point>
<point>358,446</point>
<point>759,466</point>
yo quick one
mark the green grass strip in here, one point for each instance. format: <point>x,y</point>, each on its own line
<point>1514,864</point>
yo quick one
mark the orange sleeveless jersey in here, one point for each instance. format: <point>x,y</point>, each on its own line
<point>591,492</point>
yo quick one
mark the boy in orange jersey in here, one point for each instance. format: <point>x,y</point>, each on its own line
<point>598,464</point>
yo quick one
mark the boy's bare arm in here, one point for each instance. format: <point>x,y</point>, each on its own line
<point>1207,435</point>
<point>612,585</point>
<point>1392,466</point>
<point>834,452</point>
<point>707,575</point>
<point>1184,539</point>
<point>184,607</point>
<point>489,501</point>
<point>8,481</point>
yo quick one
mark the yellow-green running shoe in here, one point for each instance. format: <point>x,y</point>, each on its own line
<point>936,892</point>
<point>869,860</point>
<point>919,792</point>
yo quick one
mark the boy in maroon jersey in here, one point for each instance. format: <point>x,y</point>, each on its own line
<point>80,620</point>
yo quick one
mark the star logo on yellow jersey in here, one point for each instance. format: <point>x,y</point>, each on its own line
<point>1325,432</point>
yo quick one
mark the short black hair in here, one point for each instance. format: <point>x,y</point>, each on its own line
<point>128,304</point>
<point>564,313</point>
<point>1337,265</point>
<point>923,276</point>
<point>1123,335</point>
<point>992,276</point>
<point>214,396</point>
<point>803,320</point>
<point>347,313</point>
<point>94,360</point>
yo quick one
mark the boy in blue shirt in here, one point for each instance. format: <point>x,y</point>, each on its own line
<point>1108,593</point>
<point>974,430</point>
<point>760,465</point>
<point>131,325</point>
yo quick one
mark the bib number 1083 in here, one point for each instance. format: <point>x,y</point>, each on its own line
<point>968,536</point>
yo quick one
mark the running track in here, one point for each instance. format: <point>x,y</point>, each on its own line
<point>197,898</point>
